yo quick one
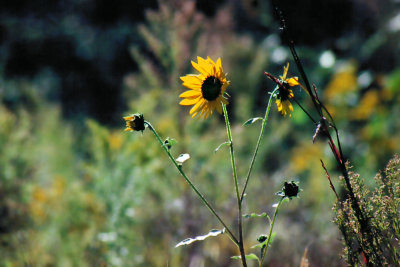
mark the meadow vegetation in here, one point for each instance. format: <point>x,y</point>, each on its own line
<point>78,191</point>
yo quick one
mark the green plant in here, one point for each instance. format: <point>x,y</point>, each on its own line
<point>208,94</point>
<point>382,206</point>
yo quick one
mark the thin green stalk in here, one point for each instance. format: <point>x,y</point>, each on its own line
<point>258,142</point>
<point>232,236</point>
<point>270,230</point>
<point>228,130</point>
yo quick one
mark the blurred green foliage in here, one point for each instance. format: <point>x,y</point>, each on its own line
<point>74,194</point>
<point>381,206</point>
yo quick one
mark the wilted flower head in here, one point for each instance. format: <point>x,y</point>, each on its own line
<point>284,92</point>
<point>289,190</point>
<point>206,89</point>
<point>134,122</point>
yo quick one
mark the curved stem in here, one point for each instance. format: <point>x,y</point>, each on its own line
<point>258,142</point>
<point>232,236</point>
<point>228,130</point>
<point>270,230</point>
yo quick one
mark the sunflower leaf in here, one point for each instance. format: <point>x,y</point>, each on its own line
<point>254,215</point>
<point>188,241</point>
<point>251,121</point>
<point>221,145</point>
<point>251,256</point>
<point>261,245</point>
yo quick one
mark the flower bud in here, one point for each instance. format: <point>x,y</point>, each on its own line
<point>134,122</point>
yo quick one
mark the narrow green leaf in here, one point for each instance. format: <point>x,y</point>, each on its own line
<point>251,256</point>
<point>254,215</point>
<point>251,121</point>
<point>260,245</point>
<point>221,145</point>
<point>269,219</point>
<point>272,237</point>
<point>188,241</point>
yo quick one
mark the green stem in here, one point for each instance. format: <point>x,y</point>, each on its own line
<point>270,230</point>
<point>228,130</point>
<point>232,236</point>
<point>258,142</point>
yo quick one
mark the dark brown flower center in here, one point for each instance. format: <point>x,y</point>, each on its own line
<point>211,88</point>
<point>290,189</point>
<point>137,123</point>
<point>284,92</point>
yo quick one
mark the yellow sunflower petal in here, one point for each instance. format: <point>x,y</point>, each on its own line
<point>279,104</point>
<point>128,118</point>
<point>192,81</point>
<point>197,106</point>
<point>223,88</point>
<point>201,111</point>
<point>203,66</point>
<point>208,113</point>
<point>213,68</point>
<point>204,111</point>
<point>293,81</point>
<point>193,87</point>
<point>290,106</point>
<point>218,66</point>
<point>285,108</point>
<point>189,101</point>
<point>285,71</point>
<point>219,107</point>
<point>190,94</point>
<point>191,78</point>
<point>210,61</point>
<point>213,105</point>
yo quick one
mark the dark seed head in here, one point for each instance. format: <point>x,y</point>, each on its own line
<point>137,123</point>
<point>290,189</point>
<point>284,92</point>
<point>211,88</point>
<point>262,238</point>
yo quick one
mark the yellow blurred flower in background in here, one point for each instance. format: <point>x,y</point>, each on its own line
<point>344,81</point>
<point>115,140</point>
<point>47,197</point>
<point>206,89</point>
<point>306,157</point>
<point>367,105</point>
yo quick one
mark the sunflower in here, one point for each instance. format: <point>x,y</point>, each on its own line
<point>285,93</point>
<point>206,89</point>
<point>134,122</point>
